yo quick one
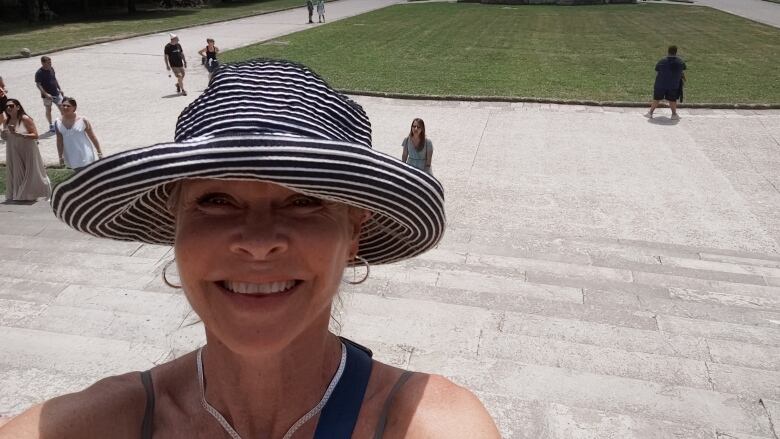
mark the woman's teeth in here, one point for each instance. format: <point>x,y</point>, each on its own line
<point>264,288</point>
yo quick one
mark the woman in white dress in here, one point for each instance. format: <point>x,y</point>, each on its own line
<point>76,141</point>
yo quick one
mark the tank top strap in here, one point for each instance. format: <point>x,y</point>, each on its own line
<point>382,423</point>
<point>146,424</point>
<point>339,416</point>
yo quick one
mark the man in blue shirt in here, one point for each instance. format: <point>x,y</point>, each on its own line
<point>46,81</point>
<point>668,82</point>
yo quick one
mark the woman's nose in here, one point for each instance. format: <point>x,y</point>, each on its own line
<point>260,237</point>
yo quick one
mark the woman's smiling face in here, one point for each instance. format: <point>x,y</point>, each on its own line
<point>261,263</point>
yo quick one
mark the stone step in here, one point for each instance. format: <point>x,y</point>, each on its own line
<point>17,288</point>
<point>702,288</point>
<point>631,330</point>
<point>97,263</point>
<point>430,327</point>
<point>532,419</point>
<point>60,273</point>
<point>719,330</point>
<point>694,408</point>
<point>682,291</point>
<point>74,354</point>
<point>84,243</point>
<point>614,268</point>
<point>555,288</point>
<point>721,266</point>
<point>29,385</point>
<point>606,252</point>
<point>110,314</point>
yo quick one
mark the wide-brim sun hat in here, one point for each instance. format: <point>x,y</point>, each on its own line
<point>265,120</point>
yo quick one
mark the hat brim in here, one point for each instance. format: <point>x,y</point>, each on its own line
<point>125,196</point>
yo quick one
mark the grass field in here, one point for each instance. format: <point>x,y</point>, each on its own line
<point>56,176</point>
<point>586,52</point>
<point>66,33</point>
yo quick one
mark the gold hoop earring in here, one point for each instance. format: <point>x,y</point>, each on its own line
<point>368,270</point>
<point>165,279</point>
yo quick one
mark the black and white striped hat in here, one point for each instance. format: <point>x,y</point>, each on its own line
<point>265,120</point>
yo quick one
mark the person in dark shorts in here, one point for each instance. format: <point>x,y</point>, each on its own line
<point>209,53</point>
<point>668,82</point>
<point>51,93</point>
<point>176,62</point>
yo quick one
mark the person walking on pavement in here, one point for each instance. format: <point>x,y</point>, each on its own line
<point>176,62</point>
<point>321,11</point>
<point>25,178</point>
<point>76,141</point>
<point>310,7</point>
<point>417,148</point>
<point>51,92</point>
<point>210,53</point>
<point>669,81</point>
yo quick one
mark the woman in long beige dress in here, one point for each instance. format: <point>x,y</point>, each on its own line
<point>26,178</point>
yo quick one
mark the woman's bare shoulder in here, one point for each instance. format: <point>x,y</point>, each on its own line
<point>432,406</point>
<point>112,407</point>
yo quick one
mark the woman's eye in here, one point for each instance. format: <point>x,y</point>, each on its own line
<point>214,200</point>
<point>304,202</point>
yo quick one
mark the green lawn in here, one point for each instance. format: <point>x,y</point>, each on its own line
<point>67,33</point>
<point>56,175</point>
<point>586,52</point>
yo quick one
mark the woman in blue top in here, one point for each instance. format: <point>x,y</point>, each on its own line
<point>418,149</point>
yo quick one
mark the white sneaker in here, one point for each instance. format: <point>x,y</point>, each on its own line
<point>649,115</point>
<point>675,116</point>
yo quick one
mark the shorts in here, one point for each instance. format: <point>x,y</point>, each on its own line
<point>670,95</point>
<point>56,100</point>
<point>178,71</point>
<point>3,100</point>
<point>212,65</point>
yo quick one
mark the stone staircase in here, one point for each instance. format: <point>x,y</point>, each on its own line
<point>570,337</point>
<point>560,337</point>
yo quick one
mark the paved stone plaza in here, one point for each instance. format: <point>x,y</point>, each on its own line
<point>602,275</point>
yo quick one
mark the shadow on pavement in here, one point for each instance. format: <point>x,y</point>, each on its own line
<point>23,202</point>
<point>663,120</point>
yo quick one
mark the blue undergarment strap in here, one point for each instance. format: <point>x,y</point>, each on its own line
<point>339,416</point>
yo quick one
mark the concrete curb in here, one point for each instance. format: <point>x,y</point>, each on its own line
<point>591,103</point>
<point>110,39</point>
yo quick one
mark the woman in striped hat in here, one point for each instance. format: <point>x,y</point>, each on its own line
<point>269,191</point>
